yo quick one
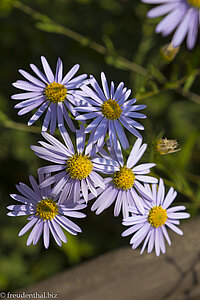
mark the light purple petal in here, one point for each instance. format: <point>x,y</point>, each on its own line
<point>193,29</point>
<point>39,232</point>
<point>70,74</point>
<point>38,73</point>
<point>97,179</point>
<point>47,69</point>
<point>93,124</point>
<point>157,242</point>
<point>133,153</point>
<point>137,200</point>
<point>97,88</point>
<point>138,155</point>
<point>162,9</point>
<point>105,85</point>
<point>52,179</point>
<point>65,223</point>
<point>101,198</point>
<point>160,193</point>
<point>176,208</point>
<point>76,188</point>
<point>32,79</point>
<point>178,215</point>
<point>171,21</point>
<point>174,228</point>
<point>38,113</point>
<point>34,184</point>
<point>148,179</point>
<point>141,189</point>
<point>68,119</point>
<point>53,119</point>
<point>58,230</point>
<point>164,230</point>
<point>28,192</point>
<point>20,198</point>
<point>129,127</point>
<point>145,241</point>
<point>58,186</point>
<point>46,234</point>
<point>66,192</point>
<point>151,240</point>
<point>122,137</point>
<point>182,29</point>
<point>55,142</point>
<point>131,230</point>
<point>74,214</point>
<point>34,232</point>
<point>118,203</point>
<point>108,201</point>
<point>56,238</point>
<point>59,71</point>
<point>171,195</point>
<point>80,139</point>
<point>26,86</point>
<point>28,226</point>
<point>25,110</point>
<point>66,139</point>
<point>84,189</point>
<point>119,92</point>
<point>140,234</point>
<point>143,167</point>
<point>47,118</point>
<point>23,96</point>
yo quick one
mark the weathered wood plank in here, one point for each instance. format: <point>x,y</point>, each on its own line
<point>126,275</point>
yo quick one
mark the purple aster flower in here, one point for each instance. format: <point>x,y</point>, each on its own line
<point>150,226</point>
<point>182,16</point>
<point>76,171</point>
<point>124,185</point>
<point>110,109</point>
<point>50,92</point>
<point>45,213</point>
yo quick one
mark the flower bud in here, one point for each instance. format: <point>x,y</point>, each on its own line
<point>168,52</point>
<point>165,146</point>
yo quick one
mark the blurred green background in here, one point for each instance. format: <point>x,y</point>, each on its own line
<point>113,36</point>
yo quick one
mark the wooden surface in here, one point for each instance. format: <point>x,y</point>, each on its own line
<point>124,274</point>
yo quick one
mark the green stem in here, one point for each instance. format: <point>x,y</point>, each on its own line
<point>7,123</point>
<point>125,63</point>
<point>129,65</point>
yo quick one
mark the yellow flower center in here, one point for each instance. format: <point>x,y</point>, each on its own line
<point>157,216</point>
<point>79,166</point>
<point>111,109</point>
<point>55,92</point>
<point>195,3</point>
<point>47,209</point>
<point>124,178</point>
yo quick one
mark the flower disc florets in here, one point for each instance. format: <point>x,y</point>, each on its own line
<point>55,92</point>
<point>79,166</point>
<point>157,216</point>
<point>124,178</point>
<point>195,3</point>
<point>47,209</point>
<point>111,109</point>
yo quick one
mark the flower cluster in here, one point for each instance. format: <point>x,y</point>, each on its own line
<point>91,167</point>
